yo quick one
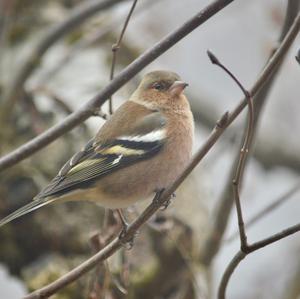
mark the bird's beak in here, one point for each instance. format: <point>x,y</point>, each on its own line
<point>177,88</point>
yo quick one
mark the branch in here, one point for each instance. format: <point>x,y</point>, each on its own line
<point>228,273</point>
<point>268,209</point>
<point>239,172</point>
<point>243,152</point>
<point>123,77</point>
<point>159,200</point>
<point>116,47</point>
<point>251,248</point>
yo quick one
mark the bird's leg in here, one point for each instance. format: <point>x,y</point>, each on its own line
<point>158,193</point>
<point>122,220</point>
<point>128,244</point>
<point>168,202</point>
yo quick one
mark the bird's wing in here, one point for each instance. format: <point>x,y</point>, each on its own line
<point>98,159</point>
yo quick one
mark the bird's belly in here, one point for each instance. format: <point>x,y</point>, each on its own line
<point>112,201</point>
<point>141,182</point>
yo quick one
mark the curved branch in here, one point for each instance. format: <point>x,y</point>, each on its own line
<point>251,248</point>
<point>116,47</point>
<point>228,273</point>
<point>243,155</point>
<point>268,209</point>
<point>123,77</point>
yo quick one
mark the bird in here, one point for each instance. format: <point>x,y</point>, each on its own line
<point>140,150</point>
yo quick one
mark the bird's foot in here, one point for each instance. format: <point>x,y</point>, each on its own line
<point>167,202</point>
<point>126,240</point>
<point>156,199</point>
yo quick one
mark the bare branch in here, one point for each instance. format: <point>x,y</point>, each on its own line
<point>124,76</point>
<point>274,238</point>
<point>251,248</point>
<point>228,273</point>
<point>243,152</point>
<point>116,47</point>
<point>268,209</point>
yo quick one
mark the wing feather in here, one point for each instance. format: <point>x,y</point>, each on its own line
<point>96,160</point>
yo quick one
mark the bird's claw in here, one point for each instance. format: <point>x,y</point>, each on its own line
<point>124,231</point>
<point>156,199</point>
<point>126,241</point>
<point>167,202</point>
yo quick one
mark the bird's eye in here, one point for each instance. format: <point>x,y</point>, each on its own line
<point>158,86</point>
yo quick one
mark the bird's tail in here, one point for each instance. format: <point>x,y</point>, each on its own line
<point>35,204</point>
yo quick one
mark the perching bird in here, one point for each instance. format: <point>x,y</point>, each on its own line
<point>140,150</point>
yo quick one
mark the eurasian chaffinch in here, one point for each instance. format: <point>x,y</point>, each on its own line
<point>140,150</point>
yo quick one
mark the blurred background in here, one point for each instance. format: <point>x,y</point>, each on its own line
<point>174,257</point>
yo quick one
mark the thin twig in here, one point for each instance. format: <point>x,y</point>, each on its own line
<point>116,47</point>
<point>268,209</point>
<point>273,238</point>
<point>123,77</point>
<point>159,200</point>
<point>228,273</point>
<point>243,152</point>
<point>251,248</point>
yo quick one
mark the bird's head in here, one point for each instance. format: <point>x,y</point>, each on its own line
<point>160,88</point>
